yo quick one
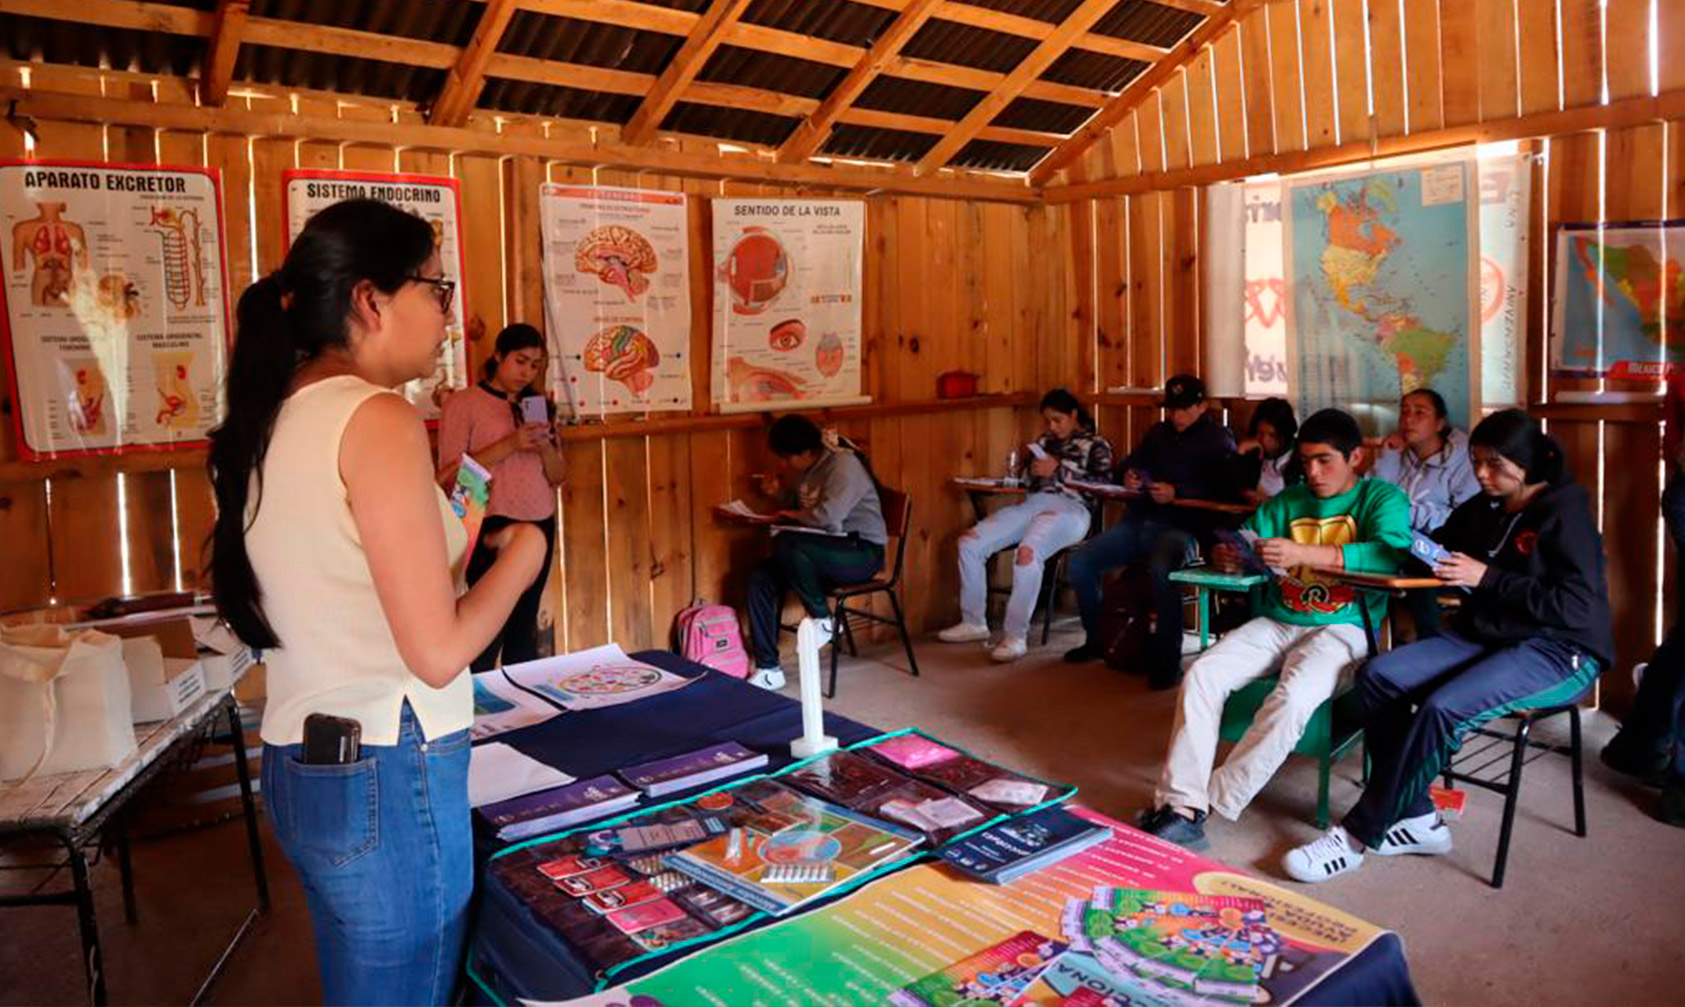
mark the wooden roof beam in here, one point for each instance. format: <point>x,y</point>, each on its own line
<point>816,128</point>
<point>1029,27</point>
<point>468,77</point>
<point>706,36</point>
<point>1031,67</point>
<point>227,30</point>
<point>1183,52</point>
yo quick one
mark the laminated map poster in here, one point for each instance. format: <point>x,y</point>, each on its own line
<point>889,941</point>
<point>617,297</point>
<point>433,199</point>
<point>788,276</point>
<point>1620,300</point>
<point>1383,284</point>
<point>115,297</point>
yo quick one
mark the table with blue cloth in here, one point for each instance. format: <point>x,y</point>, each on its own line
<point>513,956</point>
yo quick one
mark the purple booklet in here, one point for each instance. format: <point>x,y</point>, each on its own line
<point>692,769</point>
<point>558,808</point>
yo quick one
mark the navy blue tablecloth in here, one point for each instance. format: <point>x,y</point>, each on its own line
<point>518,957</point>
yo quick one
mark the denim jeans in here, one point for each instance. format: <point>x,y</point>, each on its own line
<point>1166,549</point>
<point>384,850</point>
<point>1044,523</point>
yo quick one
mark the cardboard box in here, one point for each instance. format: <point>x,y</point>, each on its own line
<point>160,686</point>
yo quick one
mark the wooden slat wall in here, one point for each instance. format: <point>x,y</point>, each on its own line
<point>1430,64</point>
<point>949,285</point>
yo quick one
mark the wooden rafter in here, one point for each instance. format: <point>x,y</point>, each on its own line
<point>707,36</point>
<point>227,31</point>
<point>1210,8</point>
<point>1029,27</point>
<point>816,128</point>
<point>1115,111</point>
<point>468,77</point>
<point>1031,67</point>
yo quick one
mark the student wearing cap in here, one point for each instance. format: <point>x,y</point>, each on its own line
<point>1187,455</point>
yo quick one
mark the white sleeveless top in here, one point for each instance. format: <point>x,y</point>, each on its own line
<point>337,655</point>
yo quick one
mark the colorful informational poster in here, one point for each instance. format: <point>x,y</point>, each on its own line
<point>617,297</point>
<point>433,199</point>
<point>787,289</point>
<point>1620,300</point>
<point>1135,912</point>
<point>592,679</point>
<point>116,312</point>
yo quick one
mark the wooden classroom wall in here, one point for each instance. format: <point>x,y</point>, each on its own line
<point>1295,77</point>
<point>949,285</point>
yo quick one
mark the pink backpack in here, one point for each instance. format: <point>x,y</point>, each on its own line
<point>709,634</point>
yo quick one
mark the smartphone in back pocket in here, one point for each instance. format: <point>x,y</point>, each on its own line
<point>331,741</point>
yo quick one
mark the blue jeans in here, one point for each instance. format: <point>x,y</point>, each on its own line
<point>1166,549</point>
<point>384,850</point>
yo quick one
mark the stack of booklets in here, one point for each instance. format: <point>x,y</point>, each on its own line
<point>872,788</point>
<point>1011,849</point>
<point>692,769</point>
<point>550,810</point>
<point>983,783</point>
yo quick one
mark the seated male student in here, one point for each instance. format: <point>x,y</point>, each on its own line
<point>1186,455</point>
<point>1310,630</point>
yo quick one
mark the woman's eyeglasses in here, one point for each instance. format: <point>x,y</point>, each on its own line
<point>443,289</point>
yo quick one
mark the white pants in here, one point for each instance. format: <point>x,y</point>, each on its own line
<point>1311,661</point>
<point>1044,523</point>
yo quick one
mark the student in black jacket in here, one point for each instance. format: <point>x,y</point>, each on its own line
<point>1532,631</point>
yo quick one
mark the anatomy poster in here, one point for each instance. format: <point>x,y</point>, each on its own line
<point>617,296</point>
<point>116,311</point>
<point>429,197</point>
<point>787,283</point>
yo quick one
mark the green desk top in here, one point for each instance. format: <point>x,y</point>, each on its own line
<point>1206,577</point>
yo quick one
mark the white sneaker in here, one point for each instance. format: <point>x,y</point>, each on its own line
<point>1010,648</point>
<point>767,678</point>
<point>964,632</point>
<point>1424,834</point>
<point>1328,857</point>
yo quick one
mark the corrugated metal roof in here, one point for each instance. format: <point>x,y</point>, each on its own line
<point>1144,21</point>
<point>770,71</point>
<point>1046,116</point>
<point>915,97</point>
<point>41,40</point>
<point>1085,68</point>
<point>543,36</point>
<point>832,20</point>
<point>527,98</point>
<point>951,42</point>
<point>694,6</point>
<point>730,123</point>
<point>430,20</point>
<point>293,68</point>
<point>991,155</point>
<point>879,144</point>
<point>1051,11</point>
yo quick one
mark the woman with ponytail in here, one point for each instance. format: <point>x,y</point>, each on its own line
<point>1532,631</point>
<point>336,553</point>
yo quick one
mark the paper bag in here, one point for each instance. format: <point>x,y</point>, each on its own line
<point>64,701</point>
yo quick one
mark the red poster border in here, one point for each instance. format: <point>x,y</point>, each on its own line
<point>26,452</point>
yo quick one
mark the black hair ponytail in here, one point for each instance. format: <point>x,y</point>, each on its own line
<point>1517,436</point>
<point>1061,400</point>
<point>283,321</point>
<point>515,337</point>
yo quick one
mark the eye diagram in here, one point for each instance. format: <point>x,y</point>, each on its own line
<point>58,248</point>
<point>178,408</point>
<point>178,230</point>
<point>619,256</point>
<point>756,270</point>
<point>829,355</point>
<point>787,335</point>
<point>623,354</point>
<point>750,383</point>
<point>117,296</point>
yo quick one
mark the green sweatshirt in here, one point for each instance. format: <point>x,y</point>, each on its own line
<point>1370,524</point>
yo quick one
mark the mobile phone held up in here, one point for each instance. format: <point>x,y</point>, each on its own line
<point>331,741</point>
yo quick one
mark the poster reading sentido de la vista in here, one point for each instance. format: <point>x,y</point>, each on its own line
<point>787,286</point>
<point>433,199</point>
<point>115,305</point>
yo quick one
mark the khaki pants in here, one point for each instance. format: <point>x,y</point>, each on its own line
<point>1311,661</point>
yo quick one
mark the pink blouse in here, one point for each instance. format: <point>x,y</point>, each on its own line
<point>474,419</point>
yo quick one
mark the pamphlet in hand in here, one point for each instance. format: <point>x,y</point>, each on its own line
<point>470,495</point>
<point>1242,542</point>
<point>1427,550</point>
<point>737,508</point>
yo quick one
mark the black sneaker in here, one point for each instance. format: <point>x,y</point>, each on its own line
<point>1172,826</point>
<point>1624,757</point>
<point>1083,654</point>
<point>1671,809</point>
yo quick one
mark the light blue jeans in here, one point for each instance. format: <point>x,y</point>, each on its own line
<point>384,849</point>
<point>1044,524</point>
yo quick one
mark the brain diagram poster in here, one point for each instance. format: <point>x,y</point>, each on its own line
<point>617,296</point>
<point>433,199</point>
<point>115,304</point>
<point>787,282</point>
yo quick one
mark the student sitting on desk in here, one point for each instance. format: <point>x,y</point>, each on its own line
<point>1532,631</point>
<point>1183,456</point>
<point>1309,633</point>
<point>1051,518</point>
<point>1264,463</point>
<point>834,494</point>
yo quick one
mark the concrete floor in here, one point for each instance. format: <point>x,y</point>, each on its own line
<point>1580,921</point>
